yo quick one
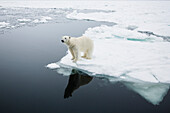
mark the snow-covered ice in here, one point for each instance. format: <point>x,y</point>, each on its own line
<point>149,16</point>
<point>143,60</point>
<point>144,15</point>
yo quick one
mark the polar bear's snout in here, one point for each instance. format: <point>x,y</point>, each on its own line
<point>62,41</point>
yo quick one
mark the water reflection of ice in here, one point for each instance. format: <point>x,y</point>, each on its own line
<point>152,92</point>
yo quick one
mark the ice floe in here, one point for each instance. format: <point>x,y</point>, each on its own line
<point>139,61</point>
<point>144,60</point>
<point>144,15</point>
<point>133,52</point>
<point>151,17</point>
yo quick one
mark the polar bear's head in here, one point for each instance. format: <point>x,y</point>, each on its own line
<point>66,39</point>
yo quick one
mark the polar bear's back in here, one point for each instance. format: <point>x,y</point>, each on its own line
<point>84,43</point>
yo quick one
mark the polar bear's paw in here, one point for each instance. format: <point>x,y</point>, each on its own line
<point>74,61</point>
<point>83,56</point>
<point>73,58</point>
<point>88,58</point>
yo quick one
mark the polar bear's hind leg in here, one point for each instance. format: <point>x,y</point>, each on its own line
<point>89,54</point>
<point>85,55</point>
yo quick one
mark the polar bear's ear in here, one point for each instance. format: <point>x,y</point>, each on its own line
<point>69,37</point>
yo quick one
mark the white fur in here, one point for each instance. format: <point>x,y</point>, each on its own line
<point>78,45</point>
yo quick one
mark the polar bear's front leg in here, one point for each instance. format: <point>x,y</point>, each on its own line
<point>76,54</point>
<point>72,53</point>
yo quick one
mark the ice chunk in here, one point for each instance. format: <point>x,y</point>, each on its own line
<point>53,66</point>
<point>3,24</point>
<point>36,21</point>
<point>24,20</point>
<point>44,19</point>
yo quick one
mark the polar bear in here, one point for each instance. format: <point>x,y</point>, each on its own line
<point>78,45</point>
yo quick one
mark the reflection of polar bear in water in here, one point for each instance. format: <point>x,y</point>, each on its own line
<point>76,80</point>
<point>78,45</point>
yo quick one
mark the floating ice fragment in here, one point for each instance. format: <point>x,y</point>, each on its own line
<point>3,24</point>
<point>53,66</point>
<point>44,19</point>
<point>24,20</point>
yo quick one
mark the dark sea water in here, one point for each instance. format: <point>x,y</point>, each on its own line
<point>27,86</point>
